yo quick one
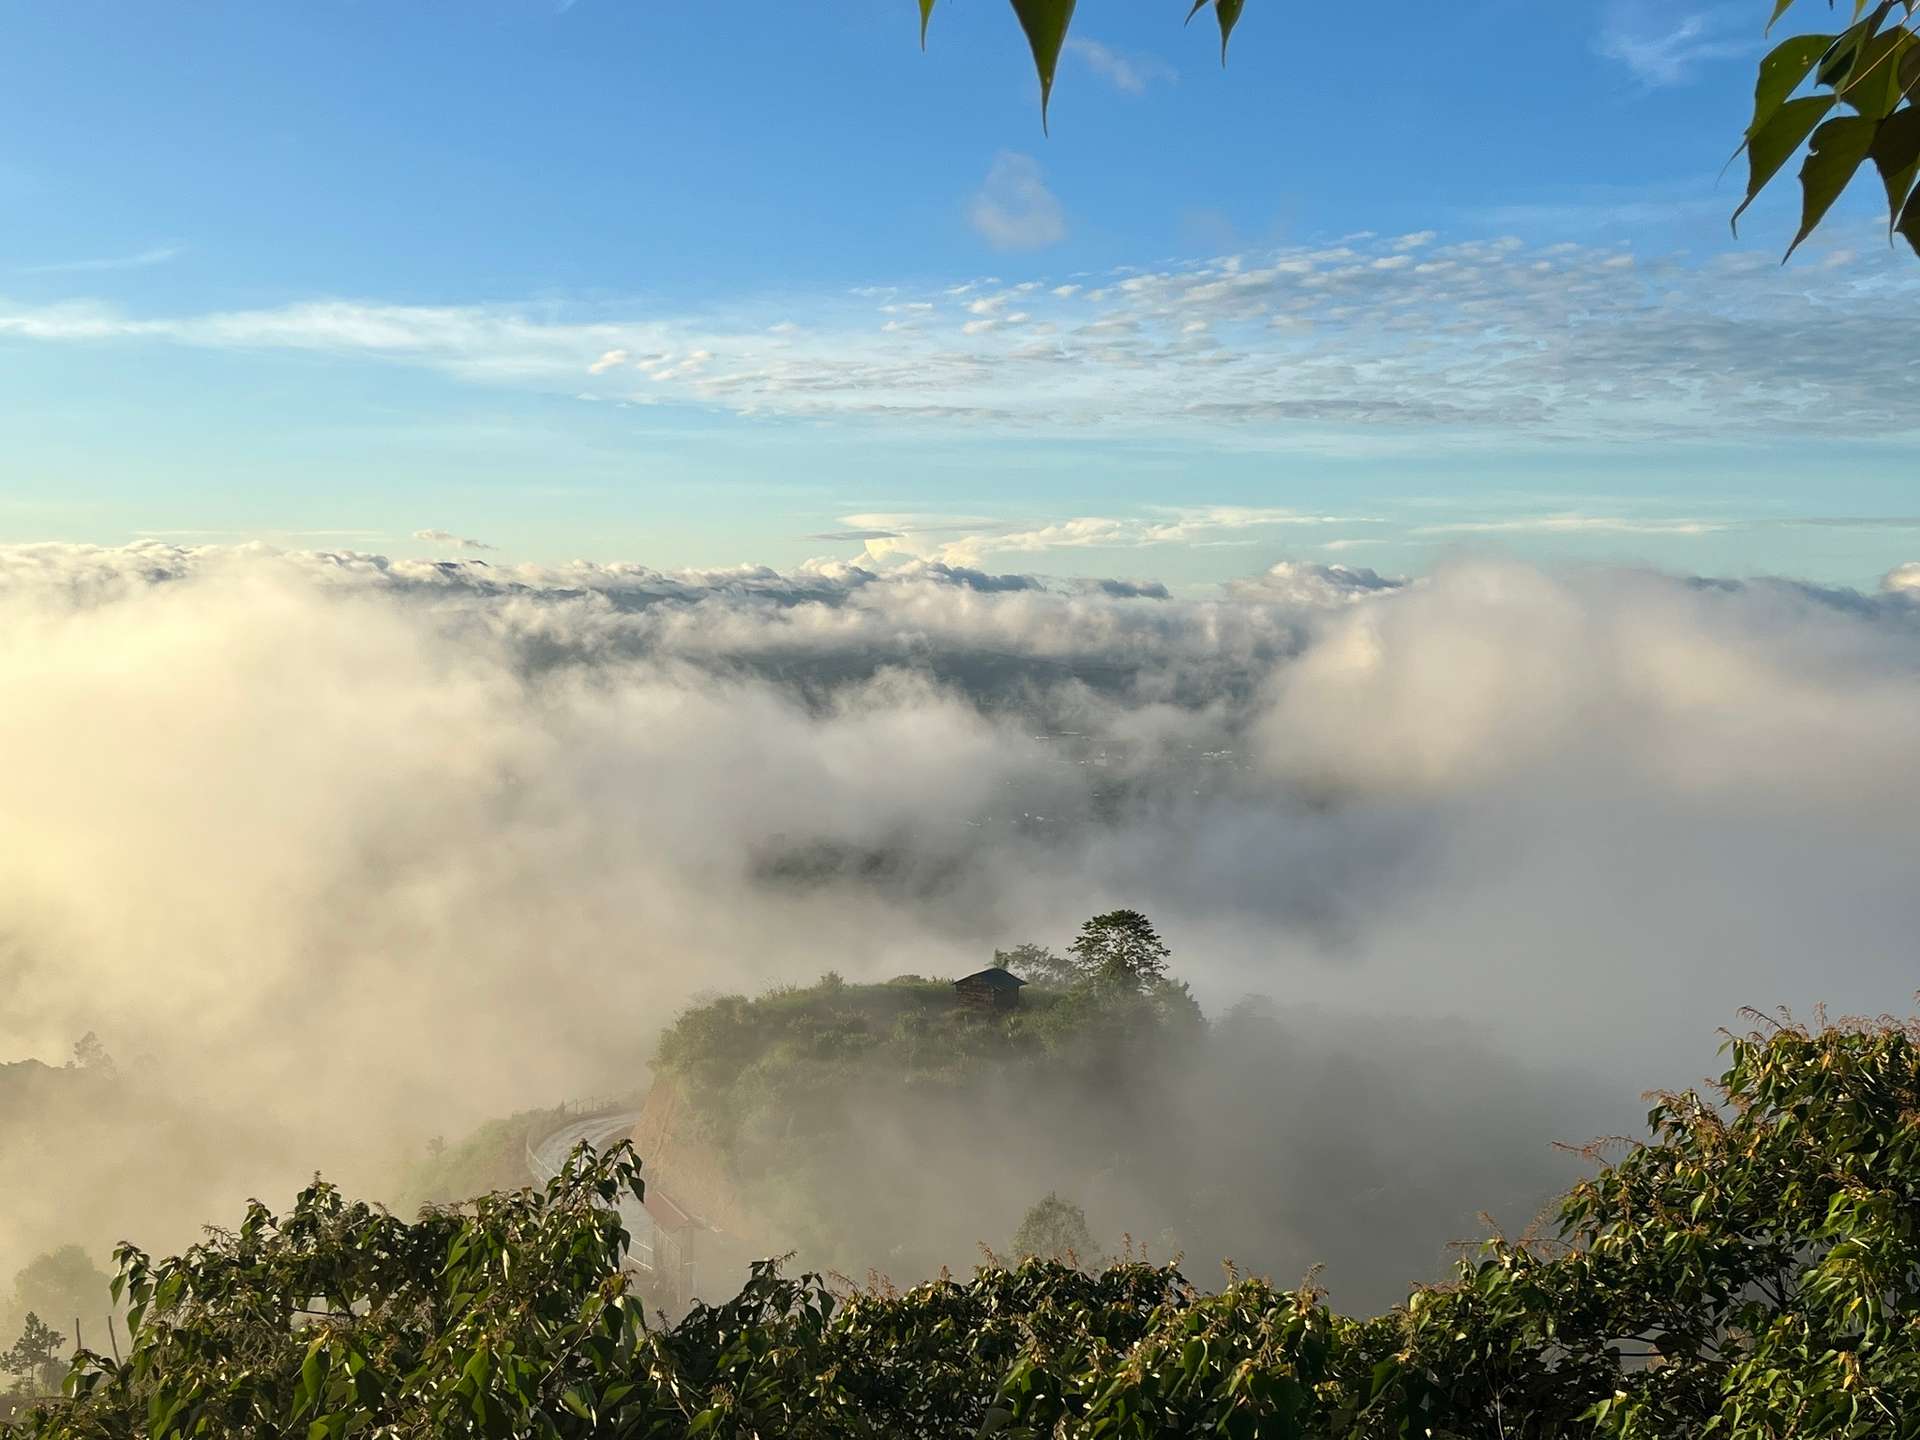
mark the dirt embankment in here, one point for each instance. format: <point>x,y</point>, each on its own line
<point>678,1159</point>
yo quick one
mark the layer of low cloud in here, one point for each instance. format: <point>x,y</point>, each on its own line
<point>399,844</point>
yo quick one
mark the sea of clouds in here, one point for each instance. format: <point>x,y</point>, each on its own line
<point>363,849</point>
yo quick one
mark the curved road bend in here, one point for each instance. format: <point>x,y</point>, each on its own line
<point>546,1155</point>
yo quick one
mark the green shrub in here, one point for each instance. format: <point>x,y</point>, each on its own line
<point>1752,1269</point>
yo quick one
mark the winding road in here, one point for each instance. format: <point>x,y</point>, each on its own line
<point>547,1153</point>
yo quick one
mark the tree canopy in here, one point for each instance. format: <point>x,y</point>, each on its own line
<point>34,1358</point>
<point>1869,71</point>
<point>1122,951</point>
<point>1055,1229</point>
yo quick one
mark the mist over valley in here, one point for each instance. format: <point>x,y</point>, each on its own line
<point>342,857</point>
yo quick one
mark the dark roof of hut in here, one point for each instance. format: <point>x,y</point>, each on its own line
<point>994,978</point>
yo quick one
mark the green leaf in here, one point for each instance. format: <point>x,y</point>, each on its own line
<point>1839,150</point>
<point>1896,154</point>
<point>1776,141</point>
<point>926,14</point>
<point>1045,22</point>
<point>313,1375</point>
<point>1874,86</point>
<point>1837,64</point>
<point>1229,13</point>
<point>1909,225</point>
<point>1780,7</point>
<point>1781,73</point>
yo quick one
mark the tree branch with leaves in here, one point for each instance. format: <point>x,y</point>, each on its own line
<point>1870,69</point>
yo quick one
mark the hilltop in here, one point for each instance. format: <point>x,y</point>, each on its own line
<point>793,1052</point>
<point>895,1125</point>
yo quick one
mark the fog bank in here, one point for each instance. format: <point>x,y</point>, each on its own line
<point>349,851</point>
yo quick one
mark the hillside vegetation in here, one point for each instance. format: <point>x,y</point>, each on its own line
<point>1751,1268</point>
<point>784,1065</point>
<point>894,1127</point>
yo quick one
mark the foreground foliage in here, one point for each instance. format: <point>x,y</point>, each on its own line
<point>1749,1269</point>
<point>1868,72</point>
<point>1861,85</point>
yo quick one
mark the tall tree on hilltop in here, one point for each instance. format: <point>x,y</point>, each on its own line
<point>1121,949</point>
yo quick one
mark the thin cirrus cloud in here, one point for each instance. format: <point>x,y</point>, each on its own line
<point>1663,46</point>
<point>1387,345</point>
<point>853,536</point>
<point>1854,522</point>
<point>1577,524</point>
<point>139,260</point>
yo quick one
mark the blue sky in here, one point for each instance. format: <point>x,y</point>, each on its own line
<point>613,280</point>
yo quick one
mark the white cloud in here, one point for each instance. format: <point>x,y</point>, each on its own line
<point>1129,74</point>
<point>451,540</point>
<point>1014,210</point>
<point>1663,46</point>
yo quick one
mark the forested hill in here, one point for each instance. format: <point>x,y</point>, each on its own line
<point>894,1128</point>
<point>792,1057</point>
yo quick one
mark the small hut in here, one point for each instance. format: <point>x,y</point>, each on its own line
<point>993,989</point>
